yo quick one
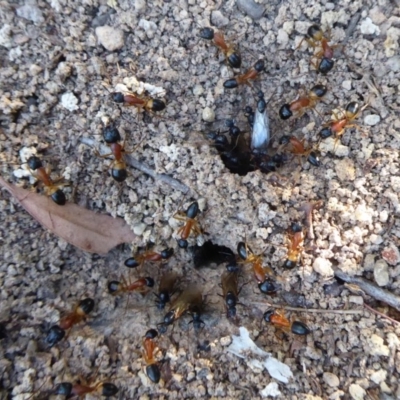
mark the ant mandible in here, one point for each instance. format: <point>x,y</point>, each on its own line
<point>57,332</point>
<point>142,103</point>
<point>149,345</point>
<point>118,166</point>
<point>244,79</point>
<point>315,37</point>
<point>278,319</point>
<point>262,274</point>
<point>340,123</point>
<point>233,58</point>
<point>303,103</point>
<point>51,188</point>
<point>191,224</point>
<point>148,255</point>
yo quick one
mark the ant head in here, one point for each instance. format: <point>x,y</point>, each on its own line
<point>86,305</point>
<point>111,134</point>
<point>313,159</point>
<point>285,112</point>
<point>319,91</point>
<point>267,315</point>
<point>183,243</point>
<point>296,227</point>
<point>64,389</point>
<point>114,286</point>
<point>326,132</point>
<point>151,334</point>
<point>325,65</point>
<point>163,298</point>
<point>54,335</point>
<point>207,33</point>
<point>248,110</point>
<point>131,262</point>
<point>232,268</point>
<point>242,250</point>
<point>157,105</point>
<point>289,264</point>
<point>259,66</point>
<point>167,253</point>
<point>109,389</point>
<point>118,97</point>
<point>149,281</point>
<point>34,163</point>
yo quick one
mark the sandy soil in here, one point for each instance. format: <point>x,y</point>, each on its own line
<point>51,49</point>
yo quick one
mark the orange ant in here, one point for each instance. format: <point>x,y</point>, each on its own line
<point>262,274</point>
<point>116,287</point>
<point>243,79</point>
<point>57,332</point>
<point>78,389</point>
<point>140,102</point>
<point>190,299</point>
<point>148,255</point>
<point>315,37</point>
<point>118,166</point>
<point>298,149</point>
<point>295,240</point>
<point>278,319</point>
<point>303,103</point>
<point>233,58</point>
<point>149,345</point>
<point>191,224</point>
<point>51,188</point>
<point>341,122</point>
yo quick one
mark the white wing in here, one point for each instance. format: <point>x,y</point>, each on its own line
<point>261,135</point>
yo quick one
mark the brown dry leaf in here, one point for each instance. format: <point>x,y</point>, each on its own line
<point>92,232</point>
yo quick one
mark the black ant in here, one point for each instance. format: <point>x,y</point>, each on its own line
<point>51,188</point>
<point>166,289</point>
<point>244,79</point>
<point>233,58</point>
<point>303,103</point>
<point>230,290</point>
<point>57,332</point>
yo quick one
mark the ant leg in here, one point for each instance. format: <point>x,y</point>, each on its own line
<point>102,155</point>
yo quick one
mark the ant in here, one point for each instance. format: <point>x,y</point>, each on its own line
<point>341,122</point>
<point>233,58</point>
<point>51,188</point>
<point>298,149</point>
<point>118,166</point>
<point>186,301</point>
<point>315,37</point>
<point>149,345</point>
<point>191,224</point>
<point>116,287</point>
<point>251,74</point>
<point>78,389</point>
<point>303,103</point>
<point>148,255</point>
<point>196,312</point>
<point>166,289</point>
<point>140,102</point>
<point>229,281</point>
<point>262,274</point>
<point>278,319</point>
<point>57,332</point>
<point>295,240</point>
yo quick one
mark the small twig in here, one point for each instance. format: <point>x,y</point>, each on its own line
<point>371,289</point>
<point>311,310</point>
<point>133,162</point>
<point>308,209</point>
<point>352,26</point>
<point>381,314</point>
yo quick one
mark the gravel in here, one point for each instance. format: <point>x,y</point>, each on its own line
<point>59,63</point>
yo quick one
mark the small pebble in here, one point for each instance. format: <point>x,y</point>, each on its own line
<point>218,19</point>
<point>391,254</point>
<point>331,379</point>
<point>381,273</point>
<point>323,267</point>
<point>69,101</point>
<point>251,8</point>
<point>377,346</point>
<point>372,119</point>
<point>110,38</point>
<point>357,392</point>
<point>208,114</point>
<point>367,27</point>
<point>225,341</point>
<point>31,13</point>
<point>271,390</point>
<point>378,376</point>
<point>346,85</point>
